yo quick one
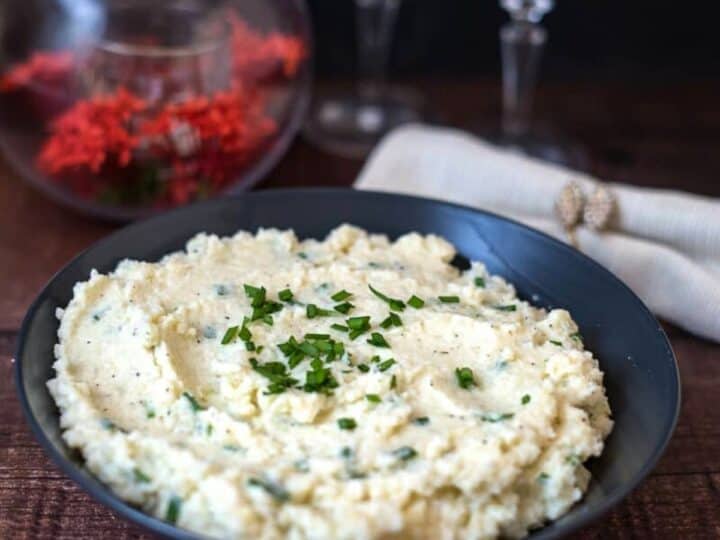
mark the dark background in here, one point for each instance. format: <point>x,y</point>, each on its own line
<point>588,39</point>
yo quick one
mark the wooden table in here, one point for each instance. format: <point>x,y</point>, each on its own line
<point>665,136</point>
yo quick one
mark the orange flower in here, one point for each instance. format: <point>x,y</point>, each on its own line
<point>40,68</point>
<point>90,133</point>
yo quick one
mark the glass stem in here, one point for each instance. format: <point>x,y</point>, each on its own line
<point>375,22</point>
<point>521,45</point>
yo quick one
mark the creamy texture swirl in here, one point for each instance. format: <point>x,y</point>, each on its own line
<point>479,428</point>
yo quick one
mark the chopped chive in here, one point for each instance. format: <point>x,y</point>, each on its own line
<point>421,421</point>
<point>285,295</point>
<point>480,282</point>
<point>465,378</point>
<point>140,476</point>
<point>173,509</point>
<point>249,346</point>
<point>416,302</point>
<point>386,364</point>
<point>343,308</point>
<point>577,336</point>
<point>449,299</point>
<point>405,453</point>
<point>377,340</point>
<point>317,336</point>
<point>554,342</point>
<point>244,333</point>
<point>194,405</point>
<point>375,359</point>
<point>363,367</point>
<point>302,255</point>
<point>276,491</point>
<point>496,417</point>
<point>543,477</point>
<point>267,319</point>
<point>341,295</point>
<point>525,399</point>
<point>309,349</point>
<point>394,303</point>
<point>373,398</point>
<point>230,334</point>
<point>358,323</point>
<point>510,307</point>
<point>339,327</point>
<point>393,382</point>
<point>311,311</point>
<point>347,423</point>
<point>392,320</point>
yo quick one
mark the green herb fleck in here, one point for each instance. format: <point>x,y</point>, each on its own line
<point>343,308</point>
<point>496,417</point>
<point>421,421</point>
<point>543,477</point>
<point>573,459</point>
<point>341,295</point>
<point>405,453</point>
<point>554,342</point>
<point>480,282</point>
<point>510,307</point>
<point>525,399</point>
<point>313,311</point>
<point>230,334</point>
<point>577,336</point>
<point>449,299</point>
<point>194,405</point>
<point>386,364</point>
<point>339,327</point>
<point>373,398</point>
<point>377,340</point>
<point>173,509</point>
<point>276,491</point>
<point>393,382</point>
<point>363,367</point>
<point>393,319</point>
<point>347,423</point>
<point>286,295</point>
<point>394,303</point>
<point>465,377</point>
<point>140,476</point>
<point>302,255</point>
<point>416,302</point>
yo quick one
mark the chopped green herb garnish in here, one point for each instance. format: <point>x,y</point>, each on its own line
<point>363,367</point>
<point>377,340</point>
<point>554,342</point>
<point>317,336</point>
<point>480,282</point>
<point>358,326</point>
<point>343,308</point>
<point>386,364</point>
<point>339,327</point>
<point>209,430</point>
<point>319,379</point>
<point>302,255</point>
<point>373,398</point>
<point>573,459</point>
<point>577,336</point>
<point>313,311</point>
<point>276,491</point>
<point>416,302</point>
<point>286,295</point>
<point>393,382</point>
<point>405,453</point>
<point>194,405</point>
<point>346,452</point>
<point>341,295</point>
<point>394,303</point>
<point>510,307</point>
<point>421,421</point>
<point>375,359</point>
<point>525,399</point>
<point>449,299</point>
<point>543,477</point>
<point>230,334</point>
<point>276,373</point>
<point>173,509</point>
<point>347,423</point>
<point>392,320</point>
<point>465,378</point>
<point>244,333</point>
<point>140,476</point>
<point>496,417</point>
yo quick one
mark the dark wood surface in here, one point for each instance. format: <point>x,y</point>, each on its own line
<point>664,136</point>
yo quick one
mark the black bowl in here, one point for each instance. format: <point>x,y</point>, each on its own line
<point>641,374</point>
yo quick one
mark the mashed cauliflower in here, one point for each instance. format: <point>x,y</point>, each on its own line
<point>353,388</point>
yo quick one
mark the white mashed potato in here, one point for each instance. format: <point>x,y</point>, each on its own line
<point>439,406</point>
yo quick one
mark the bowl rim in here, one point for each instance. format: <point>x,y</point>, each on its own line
<point>103,494</point>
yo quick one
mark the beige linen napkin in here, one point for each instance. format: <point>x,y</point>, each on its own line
<point>665,245</point>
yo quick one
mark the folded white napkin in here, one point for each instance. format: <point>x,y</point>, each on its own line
<point>665,245</point>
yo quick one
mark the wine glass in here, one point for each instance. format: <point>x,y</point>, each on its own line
<point>522,40</point>
<point>351,123</point>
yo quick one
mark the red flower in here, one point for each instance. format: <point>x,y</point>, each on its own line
<point>41,68</point>
<point>90,133</point>
<point>256,56</point>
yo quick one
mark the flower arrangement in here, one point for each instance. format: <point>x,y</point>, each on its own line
<point>118,148</point>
